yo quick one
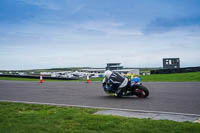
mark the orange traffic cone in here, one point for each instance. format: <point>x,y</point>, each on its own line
<point>41,80</point>
<point>88,79</point>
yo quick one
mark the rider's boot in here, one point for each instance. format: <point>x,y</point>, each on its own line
<point>120,92</point>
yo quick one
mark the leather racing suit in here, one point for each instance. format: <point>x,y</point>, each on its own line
<point>113,82</point>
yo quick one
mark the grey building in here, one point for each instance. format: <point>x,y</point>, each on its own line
<point>114,66</point>
<point>171,63</point>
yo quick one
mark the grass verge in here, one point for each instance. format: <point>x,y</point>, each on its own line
<point>29,118</point>
<point>177,77</point>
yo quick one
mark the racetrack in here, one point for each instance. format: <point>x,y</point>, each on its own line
<point>179,97</point>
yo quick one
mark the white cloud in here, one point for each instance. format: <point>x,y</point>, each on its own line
<point>76,45</point>
<point>48,4</point>
<point>106,27</point>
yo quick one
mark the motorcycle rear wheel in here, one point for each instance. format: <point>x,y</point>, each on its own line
<point>141,91</point>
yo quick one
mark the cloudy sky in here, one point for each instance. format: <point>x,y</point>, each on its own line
<point>72,33</point>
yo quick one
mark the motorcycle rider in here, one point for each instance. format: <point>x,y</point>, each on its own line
<point>113,82</point>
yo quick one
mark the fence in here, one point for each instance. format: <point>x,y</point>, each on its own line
<point>36,77</point>
<point>177,70</point>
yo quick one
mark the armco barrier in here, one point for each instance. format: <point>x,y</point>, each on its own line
<point>36,77</point>
<point>178,70</point>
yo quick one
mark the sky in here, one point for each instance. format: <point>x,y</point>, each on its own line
<point>36,34</point>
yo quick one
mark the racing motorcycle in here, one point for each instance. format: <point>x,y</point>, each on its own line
<point>134,87</point>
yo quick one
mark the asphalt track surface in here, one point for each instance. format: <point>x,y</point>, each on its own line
<point>178,97</point>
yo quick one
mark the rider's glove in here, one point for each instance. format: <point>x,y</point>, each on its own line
<point>105,87</point>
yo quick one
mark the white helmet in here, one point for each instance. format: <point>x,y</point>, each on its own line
<point>107,74</point>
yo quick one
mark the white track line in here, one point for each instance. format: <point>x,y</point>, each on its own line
<point>107,108</point>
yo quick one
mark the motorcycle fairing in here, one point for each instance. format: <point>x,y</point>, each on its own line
<point>134,81</point>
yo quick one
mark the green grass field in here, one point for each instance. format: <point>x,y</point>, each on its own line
<point>179,77</point>
<point>29,118</point>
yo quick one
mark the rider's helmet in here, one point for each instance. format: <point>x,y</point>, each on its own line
<point>107,74</point>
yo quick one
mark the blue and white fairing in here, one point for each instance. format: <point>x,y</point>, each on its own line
<point>134,81</point>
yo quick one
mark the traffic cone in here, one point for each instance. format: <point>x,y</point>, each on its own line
<point>88,79</point>
<point>41,80</point>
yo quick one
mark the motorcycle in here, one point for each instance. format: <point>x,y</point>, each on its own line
<point>134,87</point>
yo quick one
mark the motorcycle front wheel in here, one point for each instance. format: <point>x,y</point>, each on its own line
<point>141,91</point>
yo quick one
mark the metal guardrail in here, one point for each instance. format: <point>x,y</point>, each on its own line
<point>36,77</point>
<point>177,70</point>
